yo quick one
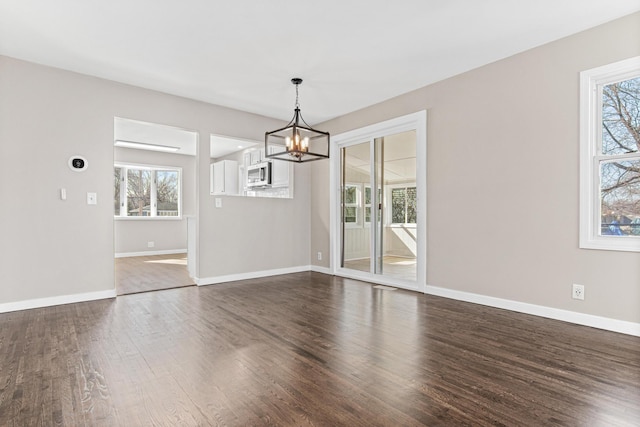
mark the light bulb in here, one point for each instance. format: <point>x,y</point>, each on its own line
<point>288,143</point>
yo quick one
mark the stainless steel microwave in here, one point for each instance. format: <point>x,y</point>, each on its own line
<point>259,175</point>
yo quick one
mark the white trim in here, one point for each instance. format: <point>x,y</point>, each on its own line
<point>614,325</point>
<point>150,253</point>
<point>378,279</point>
<point>58,300</point>
<point>591,82</point>
<point>583,319</point>
<point>415,121</point>
<point>320,269</point>
<point>203,281</point>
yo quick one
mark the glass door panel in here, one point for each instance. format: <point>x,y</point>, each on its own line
<point>378,206</point>
<point>398,222</point>
<point>355,178</point>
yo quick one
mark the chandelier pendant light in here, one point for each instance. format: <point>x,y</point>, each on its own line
<point>297,141</point>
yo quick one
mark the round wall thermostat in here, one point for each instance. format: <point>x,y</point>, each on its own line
<point>78,163</point>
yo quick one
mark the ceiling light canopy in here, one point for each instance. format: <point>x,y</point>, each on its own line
<point>297,141</point>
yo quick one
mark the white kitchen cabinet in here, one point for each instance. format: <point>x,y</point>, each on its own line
<point>224,177</point>
<point>257,156</point>
<point>280,172</point>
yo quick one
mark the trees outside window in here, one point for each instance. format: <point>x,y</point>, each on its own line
<point>403,205</point>
<point>146,191</point>
<point>352,204</point>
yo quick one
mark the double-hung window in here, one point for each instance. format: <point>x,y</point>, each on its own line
<point>352,199</point>
<point>403,205</point>
<point>610,157</point>
<point>147,192</point>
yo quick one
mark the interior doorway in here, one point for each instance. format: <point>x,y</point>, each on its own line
<point>379,209</point>
<point>154,198</point>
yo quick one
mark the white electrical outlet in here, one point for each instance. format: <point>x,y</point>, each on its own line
<point>151,244</point>
<point>319,256</point>
<point>577,291</point>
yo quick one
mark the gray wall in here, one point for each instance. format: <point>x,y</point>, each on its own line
<point>131,236</point>
<point>54,248</point>
<point>503,149</point>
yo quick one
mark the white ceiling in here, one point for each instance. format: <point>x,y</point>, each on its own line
<point>243,53</point>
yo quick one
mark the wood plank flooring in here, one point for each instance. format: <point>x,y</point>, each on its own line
<point>151,273</point>
<point>308,349</point>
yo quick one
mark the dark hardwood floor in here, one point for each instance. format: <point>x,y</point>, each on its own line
<point>309,349</point>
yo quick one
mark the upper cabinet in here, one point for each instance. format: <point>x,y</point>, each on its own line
<point>281,173</point>
<point>224,178</point>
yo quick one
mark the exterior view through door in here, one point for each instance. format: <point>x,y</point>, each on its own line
<point>379,203</point>
<point>379,208</point>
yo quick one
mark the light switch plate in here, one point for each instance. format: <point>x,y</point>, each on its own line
<point>218,202</point>
<point>92,198</point>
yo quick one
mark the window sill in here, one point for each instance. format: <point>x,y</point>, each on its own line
<point>148,218</point>
<point>623,244</point>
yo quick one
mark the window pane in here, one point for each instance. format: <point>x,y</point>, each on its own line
<point>411,205</point>
<point>138,192</point>
<point>350,215</point>
<point>350,195</point>
<point>398,199</point>
<point>621,117</point>
<point>167,197</point>
<point>117,175</point>
<point>367,195</point>
<point>620,198</point>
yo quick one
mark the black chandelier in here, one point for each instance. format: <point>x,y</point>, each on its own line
<point>297,141</point>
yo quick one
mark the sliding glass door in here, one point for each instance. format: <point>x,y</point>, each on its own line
<point>378,207</point>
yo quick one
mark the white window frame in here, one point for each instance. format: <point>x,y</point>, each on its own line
<point>366,205</point>
<point>153,213</point>
<point>591,83</point>
<point>357,205</point>
<point>389,201</point>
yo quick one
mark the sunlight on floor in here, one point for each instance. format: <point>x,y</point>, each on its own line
<point>405,262</point>
<point>181,261</point>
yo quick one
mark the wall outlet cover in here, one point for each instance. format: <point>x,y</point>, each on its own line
<point>577,291</point>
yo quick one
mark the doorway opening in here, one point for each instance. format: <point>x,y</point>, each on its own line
<point>379,203</point>
<point>154,199</point>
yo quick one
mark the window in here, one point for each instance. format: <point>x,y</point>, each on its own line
<point>610,157</point>
<point>403,205</point>
<point>367,203</point>
<point>147,192</point>
<point>352,204</point>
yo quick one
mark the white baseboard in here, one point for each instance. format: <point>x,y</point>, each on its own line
<point>319,269</point>
<point>202,281</point>
<point>150,253</point>
<point>58,300</point>
<point>614,325</point>
<point>599,322</point>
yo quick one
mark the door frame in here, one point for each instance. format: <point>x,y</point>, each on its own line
<point>418,123</point>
